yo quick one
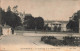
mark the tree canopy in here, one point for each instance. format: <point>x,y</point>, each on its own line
<point>74,23</point>
<point>39,23</point>
<point>29,22</point>
<point>33,23</point>
<point>2,15</point>
<point>10,18</point>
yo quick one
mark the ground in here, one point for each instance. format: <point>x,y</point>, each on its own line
<point>19,42</point>
<point>23,42</point>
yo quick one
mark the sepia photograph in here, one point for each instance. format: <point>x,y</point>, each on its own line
<point>39,25</point>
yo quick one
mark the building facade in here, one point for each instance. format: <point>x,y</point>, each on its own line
<point>6,30</point>
<point>57,25</point>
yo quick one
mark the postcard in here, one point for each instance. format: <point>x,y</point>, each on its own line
<point>39,25</point>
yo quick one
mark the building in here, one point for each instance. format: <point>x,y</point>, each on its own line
<point>57,25</point>
<point>6,30</point>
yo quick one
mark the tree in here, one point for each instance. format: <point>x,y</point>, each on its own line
<point>33,23</point>
<point>29,22</point>
<point>15,9</point>
<point>12,19</point>
<point>71,25</point>
<point>28,16</point>
<point>0,21</point>
<point>9,8</point>
<point>46,27</point>
<point>2,13</point>
<point>74,23</point>
<point>39,23</point>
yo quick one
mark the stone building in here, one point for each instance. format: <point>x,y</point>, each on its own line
<point>54,25</point>
<point>6,30</point>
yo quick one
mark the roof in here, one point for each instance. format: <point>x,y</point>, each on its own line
<point>56,22</point>
<point>51,21</point>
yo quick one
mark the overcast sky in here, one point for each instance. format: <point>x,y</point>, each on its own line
<point>48,9</point>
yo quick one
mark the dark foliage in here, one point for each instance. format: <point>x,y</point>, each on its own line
<point>39,23</point>
<point>74,23</point>
<point>29,22</point>
<point>67,41</point>
<point>72,41</point>
<point>2,16</point>
<point>33,23</point>
<point>46,27</point>
<point>51,40</point>
<point>10,18</point>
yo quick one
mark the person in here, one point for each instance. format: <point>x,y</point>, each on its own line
<point>12,31</point>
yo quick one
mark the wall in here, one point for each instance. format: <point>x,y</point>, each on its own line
<point>6,31</point>
<point>63,27</point>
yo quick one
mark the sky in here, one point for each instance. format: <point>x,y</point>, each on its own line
<point>48,9</point>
